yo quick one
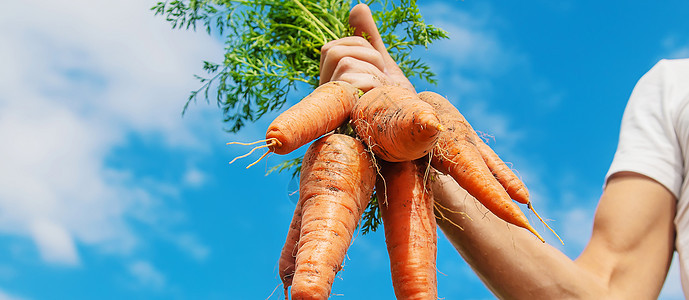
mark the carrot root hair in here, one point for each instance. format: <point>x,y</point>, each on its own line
<point>439,208</point>
<point>369,147</point>
<point>275,289</point>
<point>269,143</point>
<point>530,206</point>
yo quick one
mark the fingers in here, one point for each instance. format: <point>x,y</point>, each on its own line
<point>361,19</point>
<point>350,54</point>
<point>362,62</point>
<point>360,74</point>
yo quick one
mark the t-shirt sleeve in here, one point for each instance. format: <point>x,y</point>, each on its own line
<point>648,142</point>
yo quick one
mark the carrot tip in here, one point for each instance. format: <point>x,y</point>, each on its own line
<point>271,142</point>
<point>259,159</point>
<point>530,206</point>
<point>252,151</point>
<point>530,228</point>
<point>247,144</point>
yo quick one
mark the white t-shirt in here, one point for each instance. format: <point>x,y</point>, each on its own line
<point>654,141</point>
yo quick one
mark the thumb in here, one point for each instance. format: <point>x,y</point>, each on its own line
<point>361,19</point>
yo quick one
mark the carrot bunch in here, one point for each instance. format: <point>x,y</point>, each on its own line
<point>398,138</point>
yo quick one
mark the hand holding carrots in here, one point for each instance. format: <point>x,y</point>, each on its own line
<point>366,64</point>
<point>362,59</point>
<point>398,135</point>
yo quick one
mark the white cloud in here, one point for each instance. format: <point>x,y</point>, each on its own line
<point>53,171</point>
<point>189,243</point>
<point>472,45</point>
<point>7,296</point>
<point>682,52</point>
<point>146,274</point>
<point>194,177</point>
<point>78,77</point>
<point>577,226</point>
<point>468,61</point>
<point>476,55</point>
<point>673,47</point>
<point>469,64</point>
<point>496,129</point>
<point>54,242</point>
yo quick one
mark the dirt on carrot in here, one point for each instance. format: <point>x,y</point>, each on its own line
<point>289,250</point>
<point>337,180</point>
<point>505,176</point>
<point>395,123</point>
<point>406,206</point>
<point>322,111</point>
<point>457,154</point>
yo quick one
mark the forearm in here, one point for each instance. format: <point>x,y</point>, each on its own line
<point>511,261</point>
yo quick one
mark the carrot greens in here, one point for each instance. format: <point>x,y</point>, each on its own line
<point>272,46</point>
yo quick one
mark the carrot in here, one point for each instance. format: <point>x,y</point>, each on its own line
<point>512,184</point>
<point>395,124</point>
<point>406,206</point>
<point>322,111</point>
<point>505,176</point>
<point>457,154</point>
<point>337,179</point>
<point>289,250</point>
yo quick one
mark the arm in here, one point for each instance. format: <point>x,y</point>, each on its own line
<point>627,258</point>
<point>632,242</point>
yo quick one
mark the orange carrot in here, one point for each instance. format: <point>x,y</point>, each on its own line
<point>289,250</point>
<point>406,206</point>
<point>512,184</point>
<point>337,179</point>
<point>457,154</point>
<point>395,124</point>
<point>509,181</point>
<point>322,111</point>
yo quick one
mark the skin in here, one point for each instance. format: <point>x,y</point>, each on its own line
<point>363,63</point>
<point>632,242</point>
<point>627,257</point>
<point>457,154</point>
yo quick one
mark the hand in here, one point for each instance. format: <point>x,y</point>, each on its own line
<point>364,63</point>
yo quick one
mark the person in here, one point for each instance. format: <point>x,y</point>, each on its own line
<point>641,218</point>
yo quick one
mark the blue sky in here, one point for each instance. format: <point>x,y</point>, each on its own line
<point>106,192</point>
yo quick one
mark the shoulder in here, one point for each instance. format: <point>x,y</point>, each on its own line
<point>671,70</point>
<point>665,84</point>
<point>654,126</point>
<point>680,63</point>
